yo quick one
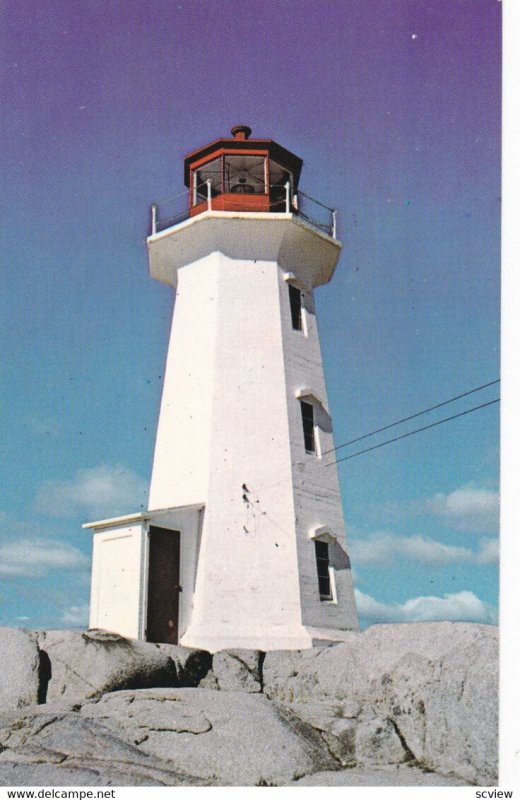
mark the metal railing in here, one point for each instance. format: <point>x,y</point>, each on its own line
<point>170,211</point>
<point>317,213</point>
<point>282,200</point>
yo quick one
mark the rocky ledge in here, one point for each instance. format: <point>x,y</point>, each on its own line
<point>401,705</point>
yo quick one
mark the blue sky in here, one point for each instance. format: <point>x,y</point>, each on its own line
<point>395,109</point>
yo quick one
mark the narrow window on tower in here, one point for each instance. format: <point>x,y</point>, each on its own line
<point>308,426</point>
<point>295,298</point>
<point>322,566</point>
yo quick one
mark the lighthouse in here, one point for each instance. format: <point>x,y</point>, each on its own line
<point>243,543</point>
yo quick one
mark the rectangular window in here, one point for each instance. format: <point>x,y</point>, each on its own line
<point>295,298</point>
<point>308,426</point>
<point>322,566</point>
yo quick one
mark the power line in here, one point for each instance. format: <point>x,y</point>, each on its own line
<point>412,416</point>
<point>384,428</point>
<point>391,425</point>
<point>411,433</point>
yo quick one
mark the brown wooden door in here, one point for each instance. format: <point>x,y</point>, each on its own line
<point>163,586</point>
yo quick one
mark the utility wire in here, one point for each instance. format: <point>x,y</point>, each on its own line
<point>411,433</point>
<point>412,416</point>
<point>391,425</point>
<point>384,428</point>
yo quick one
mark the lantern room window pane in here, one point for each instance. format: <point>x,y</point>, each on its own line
<point>278,177</point>
<point>308,426</point>
<point>244,174</point>
<point>322,567</point>
<point>212,171</point>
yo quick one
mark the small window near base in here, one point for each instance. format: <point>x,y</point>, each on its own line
<point>322,566</point>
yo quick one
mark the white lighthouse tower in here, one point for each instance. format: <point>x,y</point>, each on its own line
<point>243,544</point>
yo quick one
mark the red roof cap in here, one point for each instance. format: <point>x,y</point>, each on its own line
<point>241,132</point>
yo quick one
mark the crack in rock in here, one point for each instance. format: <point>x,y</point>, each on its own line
<point>178,729</point>
<point>410,756</point>
<point>261,659</point>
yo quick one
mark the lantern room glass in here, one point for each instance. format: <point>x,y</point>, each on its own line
<point>244,174</point>
<point>278,178</point>
<point>212,171</point>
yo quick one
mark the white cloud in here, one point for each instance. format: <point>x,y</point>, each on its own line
<point>76,616</point>
<point>459,607</point>
<point>35,558</point>
<point>383,549</point>
<point>99,491</point>
<point>468,508</point>
<point>43,426</point>
<point>489,552</point>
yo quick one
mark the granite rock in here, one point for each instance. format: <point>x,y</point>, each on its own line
<point>191,665</point>
<point>377,742</point>
<point>22,678</point>
<point>238,670</point>
<point>432,688</point>
<point>89,664</point>
<point>62,747</point>
<point>414,702</point>
<point>398,775</point>
<point>235,738</point>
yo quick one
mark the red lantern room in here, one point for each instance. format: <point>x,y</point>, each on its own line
<point>241,174</point>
